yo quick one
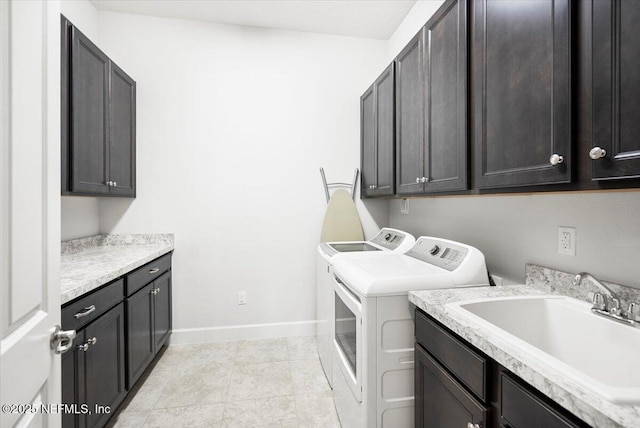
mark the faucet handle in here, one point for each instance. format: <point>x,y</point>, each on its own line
<point>633,311</point>
<point>599,301</point>
<point>613,305</point>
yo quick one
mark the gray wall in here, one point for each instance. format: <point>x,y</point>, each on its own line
<point>513,230</point>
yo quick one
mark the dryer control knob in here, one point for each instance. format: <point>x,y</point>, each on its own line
<point>434,250</point>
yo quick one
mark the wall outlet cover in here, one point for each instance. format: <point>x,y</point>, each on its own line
<point>242,298</point>
<point>567,241</point>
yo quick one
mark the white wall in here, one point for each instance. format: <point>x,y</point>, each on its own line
<point>233,124</point>
<point>513,230</point>
<point>79,214</point>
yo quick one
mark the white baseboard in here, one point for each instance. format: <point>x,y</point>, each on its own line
<point>242,332</point>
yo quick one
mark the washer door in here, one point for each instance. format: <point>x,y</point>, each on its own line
<point>348,337</point>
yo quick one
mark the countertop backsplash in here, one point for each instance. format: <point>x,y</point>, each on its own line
<point>81,244</point>
<point>559,282</point>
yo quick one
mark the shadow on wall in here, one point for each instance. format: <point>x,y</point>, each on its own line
<point>374,214</point>
<point>112,210</point>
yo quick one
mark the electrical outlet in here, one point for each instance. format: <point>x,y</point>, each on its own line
<point>404,206</point>
<point>567,241</point>
<point>242,298</point>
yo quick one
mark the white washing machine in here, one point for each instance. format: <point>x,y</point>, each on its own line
<point>387,241</point>
<point>373,346</point>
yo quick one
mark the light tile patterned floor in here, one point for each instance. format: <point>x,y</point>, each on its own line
<point>251,383</point>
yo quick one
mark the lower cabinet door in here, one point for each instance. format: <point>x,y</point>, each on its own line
<point>104,366</point>
<point>140,343</point>
<point>440,402</point>
<point>73,392</point>
<point>520,408</point>
<point>162,310</point>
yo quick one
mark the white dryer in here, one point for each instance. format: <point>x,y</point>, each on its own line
<point>374,330</point>
<point>387,241</point>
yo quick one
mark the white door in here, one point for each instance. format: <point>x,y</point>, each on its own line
<point>29,210</point>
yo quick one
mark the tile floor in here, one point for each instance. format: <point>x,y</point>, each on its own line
<point>251,383</point>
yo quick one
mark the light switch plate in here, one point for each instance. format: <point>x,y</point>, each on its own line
<point>404,206</point>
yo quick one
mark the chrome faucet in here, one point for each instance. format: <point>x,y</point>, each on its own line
<point>609,302</point>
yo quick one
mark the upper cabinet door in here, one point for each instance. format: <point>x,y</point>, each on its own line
<point>385,132</point>
<point>445,73</point>
<point>521,92</point>
<point>367,142</point>
<point>122,131</point>
<point>409,118</point>
<point>89,109</point>
<point>616,89</point>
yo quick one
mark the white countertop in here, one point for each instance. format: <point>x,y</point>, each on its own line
<point>570,395</point>
<point>88,263</point>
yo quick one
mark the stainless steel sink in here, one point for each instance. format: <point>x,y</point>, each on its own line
<point>600,354</point>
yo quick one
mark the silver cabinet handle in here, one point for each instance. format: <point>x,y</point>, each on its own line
<point>86,311</point>
<point>61,340</point>
<point>154,270</point>
<point>417,180</point>
<point>556,159</point>
<point>597,153</point>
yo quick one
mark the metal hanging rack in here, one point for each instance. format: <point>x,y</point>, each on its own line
<point>338,184</point>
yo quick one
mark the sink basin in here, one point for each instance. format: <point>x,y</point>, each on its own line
<point>600,354</point>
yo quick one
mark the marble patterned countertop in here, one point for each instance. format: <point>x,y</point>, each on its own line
<point>88,263</point>
<point>551,382</point>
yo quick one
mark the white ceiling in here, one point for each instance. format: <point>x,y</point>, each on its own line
<point>375,19</point>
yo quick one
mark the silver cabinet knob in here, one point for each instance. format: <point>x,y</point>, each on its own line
<point>108,183</point>
<point>84,347</point>
<point>115,183</point>
<point>92,341</point>
<point>417,180</point>
<point>424,180</point>
<point>556,159</point>
<point>597,153</point>
<point>472,425</point>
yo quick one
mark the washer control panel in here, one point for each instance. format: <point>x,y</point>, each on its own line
<point>389,238</point>
<point>441,253</point>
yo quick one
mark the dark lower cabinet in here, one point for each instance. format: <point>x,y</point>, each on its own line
<point>93,372</point>
<point>104,365</point>
<point>615,149</point>
<point>148,324</point>
<point>440,401</point>
<point>117,338</point>
<point>521,92</point>
<point>458,386</point>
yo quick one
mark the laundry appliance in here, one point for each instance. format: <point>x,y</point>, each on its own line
<point>374,329</point>
<point>387,241</point>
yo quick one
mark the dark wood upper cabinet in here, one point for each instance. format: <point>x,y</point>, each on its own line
<point>89,109</point>
<point>409,117</point>
<point>521,100</point>
<point>616,89</point>
<point>122,133</point>
<point>445,75</point>
<point>377,136</point>
<point>98,120</point>
<point>431,105</point>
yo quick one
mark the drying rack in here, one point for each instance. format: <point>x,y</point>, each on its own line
<point>338,184</point>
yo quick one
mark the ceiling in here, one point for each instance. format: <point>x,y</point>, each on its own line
<point>374,19</point>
